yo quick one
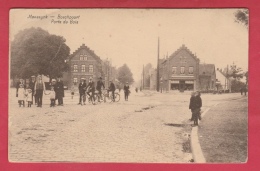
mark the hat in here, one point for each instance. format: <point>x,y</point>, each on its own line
<point>53,80</point>
<point>90,78</point>
<point>100,77</point>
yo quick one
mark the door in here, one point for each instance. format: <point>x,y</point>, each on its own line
<point>182,86</point>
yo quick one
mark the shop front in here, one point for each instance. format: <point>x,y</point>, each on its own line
<point>182,85</point>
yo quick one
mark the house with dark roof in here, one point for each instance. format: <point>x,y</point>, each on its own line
<point>85,64</point>
<point>182,71</point>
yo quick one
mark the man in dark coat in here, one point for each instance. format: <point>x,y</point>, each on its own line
<point>198,105</point>
<point>82,90</point>
<point>192,105</point>
<point>100,84</point>
<point>112,88</point>
<point>126,91</point>
<point>59,91</point>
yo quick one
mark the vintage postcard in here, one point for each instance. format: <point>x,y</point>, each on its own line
<point>128,85</point>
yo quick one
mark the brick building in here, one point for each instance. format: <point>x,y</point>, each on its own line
<point>84,63</point>
<point>182,71</point>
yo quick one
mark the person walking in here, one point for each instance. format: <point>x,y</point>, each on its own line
<point>112,88</point>
<point>39,89</point>
<point>59,91</point>
<point>192,105</point>
<point>82,91</point>
<point>126,91</point>
<point>100,84</point>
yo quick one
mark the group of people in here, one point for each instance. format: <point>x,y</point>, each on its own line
<point>33,92</point>
<point>36,88</point>
<point>89,89</point>
<point>195,107</point>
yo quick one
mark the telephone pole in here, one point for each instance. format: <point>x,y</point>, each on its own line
<point>158,81</point>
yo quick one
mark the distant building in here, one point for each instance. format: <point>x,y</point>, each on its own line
<point>222,82</point>
<point>84,63</point>
<point>182,71</point>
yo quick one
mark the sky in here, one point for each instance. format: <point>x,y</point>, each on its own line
<point>130,36</point>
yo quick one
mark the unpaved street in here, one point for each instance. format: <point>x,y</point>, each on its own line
<point>150,127</point>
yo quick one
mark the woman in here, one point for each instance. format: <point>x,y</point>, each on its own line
<point>126,90</point>
<point>39,88</point>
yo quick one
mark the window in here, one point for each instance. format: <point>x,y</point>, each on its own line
<point>75,80</point>
<point>190,70</point>
<point>83,68</point>
<point>81,57</point>
<point>75,68</point>
<point>174,70</point>
<point>91,69</point>
<point>182,70</point>
<point>85,57</point>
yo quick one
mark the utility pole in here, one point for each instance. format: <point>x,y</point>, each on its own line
<point>158,65</point>
<point>143,76</point>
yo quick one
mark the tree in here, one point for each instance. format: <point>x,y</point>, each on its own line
<point>235,72</point>
<point>236,85</point>
<point>125,74</point>
<point>242,17</point>
<point>35,51</point>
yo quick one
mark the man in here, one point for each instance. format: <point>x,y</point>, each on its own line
<point>192,105</point>
<point>112,88</point>
<point>100,84</point>
<point>126,91</point>
<point>59,91</point>
<point>91,88</point>
<point>198,105</point>
<point>82,90</point>
<point>39,88</point>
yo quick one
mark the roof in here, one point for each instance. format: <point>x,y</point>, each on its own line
<point>183,47</point>
<point>91,52</point>
<point>206,69</point>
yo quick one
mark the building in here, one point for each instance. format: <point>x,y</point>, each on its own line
<point>222,82</point>
<point>84,63</point>
<point>182,71</point>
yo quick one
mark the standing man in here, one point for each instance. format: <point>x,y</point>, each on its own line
<point>192,105</point>
<point>59,91</point>
<point>100,84</point>
<point>126,90</point>
<point>112,88</point>
<point>198,105</point>
<point>82,90</point>
<point>39,88</point>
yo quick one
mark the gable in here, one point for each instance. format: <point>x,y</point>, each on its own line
<point>183,56</point>
<point>84,53</point>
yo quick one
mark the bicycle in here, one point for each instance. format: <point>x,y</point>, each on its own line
<point>109,97</point>
<point>91,98</point>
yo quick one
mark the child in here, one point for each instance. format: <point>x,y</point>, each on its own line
<point>72,90</point>
<point>21,94</point>
<point>28,94</point>
<point>52,97</point>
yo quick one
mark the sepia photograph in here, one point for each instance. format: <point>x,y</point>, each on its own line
<point>100,85</point>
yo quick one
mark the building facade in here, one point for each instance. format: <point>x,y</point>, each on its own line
<point>182,71</point>
<point>84,63</point>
